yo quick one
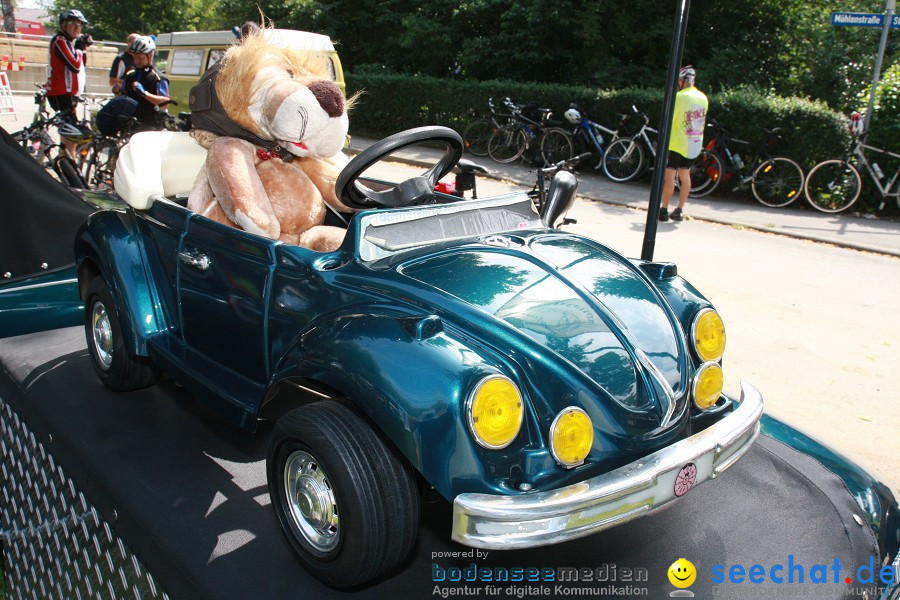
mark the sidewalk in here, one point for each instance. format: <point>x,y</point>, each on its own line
<point>871,235</point>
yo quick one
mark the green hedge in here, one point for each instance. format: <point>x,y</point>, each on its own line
<point>391,103</point>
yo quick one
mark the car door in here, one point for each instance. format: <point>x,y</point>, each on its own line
<point>224,275</point>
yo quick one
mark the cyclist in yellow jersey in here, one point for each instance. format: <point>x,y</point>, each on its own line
<point>686,141</point>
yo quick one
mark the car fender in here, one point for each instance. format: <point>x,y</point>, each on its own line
<point>411,378</point>
<point>108,244</point>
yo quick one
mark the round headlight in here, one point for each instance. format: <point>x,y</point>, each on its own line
<point>495,412</point>
<point>571,436</point>
<point>708,385</point>
<point>708,333</point>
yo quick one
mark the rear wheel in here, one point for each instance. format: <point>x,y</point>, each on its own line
<point>623,159</point>
<point>113,362</point>
<point>556,146</point>
<point>706,173</point>
<point>476,136</point>
<point>507,144</point>
<point>777,182</point>
<point>101,165</point>
<point>833,186</point>
<point>347,501</point>
<point>68,173</point>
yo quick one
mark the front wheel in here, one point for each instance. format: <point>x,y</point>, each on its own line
<point>476,135</point>
<point>706,173</point>
<point>116,366</point>
<point>556,146</point>
<point>507,144</point>
<point>833,186</point>
<point>345,499</point>
<point>777,182</point>
<point>101,165</point>
<point>623,159</point>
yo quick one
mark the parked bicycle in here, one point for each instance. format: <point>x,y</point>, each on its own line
<point>524,133</point>
<point>834,185</point>
<point>538,193</point>
<point>587,136</point>
<point>478,132</point>
<point>40,145</point>
<point>774,180</point>
<point>629,156</point>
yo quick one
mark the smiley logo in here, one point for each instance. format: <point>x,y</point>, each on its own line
<point>682,573</point>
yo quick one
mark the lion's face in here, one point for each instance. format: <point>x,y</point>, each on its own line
<point>284,95</point>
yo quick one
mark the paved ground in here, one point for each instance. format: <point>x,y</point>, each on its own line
<point>874,235</point>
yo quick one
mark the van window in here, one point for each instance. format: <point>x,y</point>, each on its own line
<point>186,62</point>
<point>161,60</point>
<point>215,55</point>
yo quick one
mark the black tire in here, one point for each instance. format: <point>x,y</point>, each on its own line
<point>68,173</point>
<point>706,174</point>
<point>777,182</point>
<point>833,186</point>
<point>476,135</point>
<point>114,364</point>
<point>346,500</point>
<point>623,159</point>
<point>556,146</point>
<point>507,144</point>
<point>101,165</point>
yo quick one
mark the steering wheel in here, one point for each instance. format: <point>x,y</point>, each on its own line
<point>411,192</point>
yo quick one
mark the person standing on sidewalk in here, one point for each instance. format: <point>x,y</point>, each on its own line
<point>64,64</point>
<point>686,142</point>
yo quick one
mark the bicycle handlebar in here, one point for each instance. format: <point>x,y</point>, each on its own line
<point>564,164</point>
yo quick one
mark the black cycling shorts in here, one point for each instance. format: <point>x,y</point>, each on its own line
<point>677,161</point>
<point>64,105</point>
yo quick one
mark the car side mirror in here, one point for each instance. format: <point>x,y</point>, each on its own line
<point>560,198</point>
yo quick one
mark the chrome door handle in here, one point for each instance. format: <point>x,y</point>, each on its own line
<point>195,259</point>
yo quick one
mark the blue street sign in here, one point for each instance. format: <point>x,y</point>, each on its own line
<point>855,19</point>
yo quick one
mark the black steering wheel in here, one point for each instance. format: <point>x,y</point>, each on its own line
<point>412,192</point>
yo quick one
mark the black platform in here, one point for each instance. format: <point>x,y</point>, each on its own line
<point>189,496</point>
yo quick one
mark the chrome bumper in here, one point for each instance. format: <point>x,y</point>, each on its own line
<point>541,518</point>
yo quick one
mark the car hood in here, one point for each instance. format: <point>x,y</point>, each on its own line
<point>580,302</point>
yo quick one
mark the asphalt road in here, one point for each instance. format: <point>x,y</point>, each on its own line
<point>810,324</point>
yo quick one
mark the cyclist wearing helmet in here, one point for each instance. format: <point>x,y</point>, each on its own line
<point>144,83</point>
<point>121,64</point>
<point>688,121</point>
<point>65,62</point>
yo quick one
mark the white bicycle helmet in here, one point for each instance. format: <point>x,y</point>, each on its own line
<point>687,74</point>
<point>79,135</point>
<point>143,44</point>
<point>573,116</point>
<point>72,15</point>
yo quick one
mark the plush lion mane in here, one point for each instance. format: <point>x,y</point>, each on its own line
<point>243,76</point>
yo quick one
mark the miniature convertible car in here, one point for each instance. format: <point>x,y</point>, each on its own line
<point>545,385</point>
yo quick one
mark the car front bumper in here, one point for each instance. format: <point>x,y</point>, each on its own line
<point>542,518</point>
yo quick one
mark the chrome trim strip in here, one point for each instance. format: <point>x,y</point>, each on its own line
<point>553,516</point>
<point>35,286</point>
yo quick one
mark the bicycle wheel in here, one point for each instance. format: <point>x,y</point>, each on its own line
<point>476,136</point>
<point>68,174</point>
<point>101,165</point>
<point>556,146</point>
<point>706,173</point>
<point>833,186</point>
<point>623,160</point>
<point>507,144</point>
<point>777,182</point>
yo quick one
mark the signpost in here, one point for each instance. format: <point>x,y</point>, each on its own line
<point>887,21</point>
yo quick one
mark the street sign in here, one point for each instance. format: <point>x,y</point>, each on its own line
<point>855,19</point>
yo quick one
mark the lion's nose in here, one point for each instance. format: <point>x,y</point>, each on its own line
<point>329,96</point>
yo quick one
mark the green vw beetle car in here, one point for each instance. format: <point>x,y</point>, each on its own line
<point>545,385</point>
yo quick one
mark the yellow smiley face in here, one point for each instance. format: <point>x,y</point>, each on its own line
<point>682,573</point>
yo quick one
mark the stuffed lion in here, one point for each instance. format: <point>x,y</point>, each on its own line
<point>274,125</point>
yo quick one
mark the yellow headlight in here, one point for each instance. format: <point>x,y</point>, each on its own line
<point>708,332</point>
<point>571,436</point>
<point>708,385</point>
<point>495,412</point>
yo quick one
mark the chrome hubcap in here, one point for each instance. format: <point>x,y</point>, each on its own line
<point>310,501</point>
<point>102,335</point>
